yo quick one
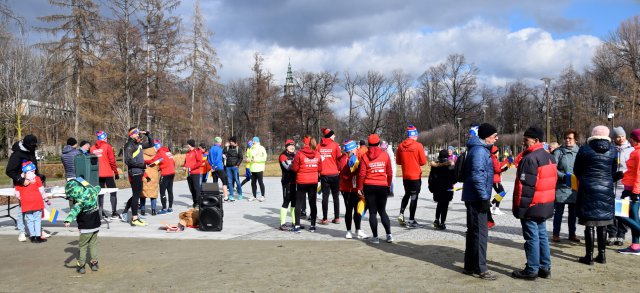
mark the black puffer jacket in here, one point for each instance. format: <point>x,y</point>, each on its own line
<point>595,168</point>
<point>14,166</point>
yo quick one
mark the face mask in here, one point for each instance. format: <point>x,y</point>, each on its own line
<point>31,175</point>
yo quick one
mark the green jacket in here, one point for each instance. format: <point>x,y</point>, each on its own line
<point>258,157</point>
<point>85,198</point>
<point>565,158</point>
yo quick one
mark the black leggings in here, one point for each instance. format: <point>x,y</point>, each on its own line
<point>309,190</point>
<point>351,200</point>
<point>257,176</point>
<point>288,195</point>
<point>108,182</point>
<point>441,211</point>
<point>376,198</point>
<point>498,188</point>
<point>412,190</point>
<point>194,187</point>
<point>330,184</point>
<point>166,184</point>
<point>222,175</point>
<point>136,190</point>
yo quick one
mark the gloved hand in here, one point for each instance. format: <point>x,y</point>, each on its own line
<point>484,206</point>
<point>117,176</point>
<point>627,193</point>
<point>148,179</point>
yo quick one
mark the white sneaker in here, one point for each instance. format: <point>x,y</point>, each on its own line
<point>389,238</point>
<point>251,198</point>
<point>348,236</point>
<point>261,199</point>
<point>22,237</point>
<point>44,234</point>
<point>361,234</point>
<point>401,220</point>
<point>496,211</point>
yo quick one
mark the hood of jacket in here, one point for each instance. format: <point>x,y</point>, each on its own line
<point>475,141</point>
<point>409,144</point>
<point>99,143</point>
<point>18,147</point>
<point>373,152</point>
<point>67,149</point>
<point>599,144</point>
<point>308,152</point>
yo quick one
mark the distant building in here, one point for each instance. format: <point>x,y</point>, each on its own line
<point>288,85</point>
<point>43,109</point>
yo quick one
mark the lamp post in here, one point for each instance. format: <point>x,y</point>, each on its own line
<point>232,106</point>
<point>484,112</point>
<point>613,109</point>
<point>458,118</point>
<point>547,81</point>
<point>515,139</point>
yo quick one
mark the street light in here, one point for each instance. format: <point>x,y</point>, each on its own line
<point>515,139</point>
<point>613,109</point>
<point>458,118</point>
<point>232,106</point>
<point>547,81</point>
<point>484,112</point>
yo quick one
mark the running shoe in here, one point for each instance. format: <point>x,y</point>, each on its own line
<point>138,222</point>
<point>490,225</point>
<point>251,199</point>
<point>443,227</point>
<point>169,211</point>
<point>80,269</point>
<point>411,224</point>
<point>296,230</point>
<point>240,197</point>
<point>375,240</point>
<point>45,234</point>
<point>336,221</point>
<point>114,215</point>
<point>401,220</point>
<point>261,199</point>
<point>124,217</point>
<point>94,266</point>
<point>389,238</point>
<point>22,237</point>
<point>497,211</point>
<point>361,234</point>
<point>162,212</point>
<point>629,250</point>
<point>231,198</point>
<point>348,236</point>
<point>324,222</point>
<point>312,229</point>
<point>108,219</point>
<point>284,227</point>
<point>436,224</point>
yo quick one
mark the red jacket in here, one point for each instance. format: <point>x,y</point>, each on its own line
<point>498,168</point>
<point>193,161</point>
<point>330,153</point>
<point>307,165</point>
<point>375,168</point>
<point>631,178</point>
<point>106,160</point>
<point>30,196</point>
<point>410,155</point>
<point>348,179</point>
<point>534,193</point>
<point>168,165</point>
<point>205,167</point>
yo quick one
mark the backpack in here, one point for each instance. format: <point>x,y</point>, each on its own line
<point>460,168</point>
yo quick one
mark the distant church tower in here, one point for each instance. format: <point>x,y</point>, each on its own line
<point>288,86</point>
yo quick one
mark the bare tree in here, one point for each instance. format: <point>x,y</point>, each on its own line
<point>349,84</point>
<point>457,80</point>
<point>375,92</point>
<point>625,42</point>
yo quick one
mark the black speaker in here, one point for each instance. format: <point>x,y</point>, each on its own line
<point>211,212</point>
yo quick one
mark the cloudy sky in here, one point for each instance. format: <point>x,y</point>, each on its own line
<point>507,40</point>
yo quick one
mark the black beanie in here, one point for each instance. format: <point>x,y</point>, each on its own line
<point>485,130</point>
<point>443,155</point>
<point>534,132</point>
<point>71,141</point>
<point>362,142</point>
<point>191,143</point>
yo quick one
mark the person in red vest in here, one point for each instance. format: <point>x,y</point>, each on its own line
<point>533,203</point>
<point>374,182</point>
<point>167,173</point>
<point>193,166</point>
<point>307,166</point>
<point>410,155</point>
<point>107,170</point>
<point>330,176</point>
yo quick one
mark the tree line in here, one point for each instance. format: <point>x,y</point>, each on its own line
<point>136,63</point>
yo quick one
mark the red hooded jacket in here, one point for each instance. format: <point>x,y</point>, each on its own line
<point>410,155</point>
<point>348,180</point>
<point>307,165</point>
<point>330,153</point>
<point>168,165</point>
<point>30,196</point>
<point>375,168</point>
<point>193,161</point>
<point>106,160</point>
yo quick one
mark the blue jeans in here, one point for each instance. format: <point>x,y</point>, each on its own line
<point>557,218</point>
<point>34,221</point>
<point>233,176</point>
<point>536,245</point>
<point>143,203</point>
<point>20,219</point>
<point>633,222</point>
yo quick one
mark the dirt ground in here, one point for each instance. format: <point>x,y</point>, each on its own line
<point>153,265</point>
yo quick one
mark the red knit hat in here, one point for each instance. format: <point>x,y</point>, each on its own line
<point>374,139</point>
<point>289,142</point>
<point>327,132</point>
<point>635,135</point>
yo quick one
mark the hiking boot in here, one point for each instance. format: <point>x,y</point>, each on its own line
<point>523,274</point>
<point>555,238</point>
<point>574,238</point>
<point>94,266</point>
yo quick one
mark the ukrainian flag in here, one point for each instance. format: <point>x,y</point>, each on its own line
<point>53,217</point>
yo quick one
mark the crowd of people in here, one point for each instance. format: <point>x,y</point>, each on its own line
<point>586,179</point>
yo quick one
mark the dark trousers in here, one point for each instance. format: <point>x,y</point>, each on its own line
<point>376,198</point>
<point>194,187</point>
<point>475,252</point>
<point>166,187</point>
<point>304,190</point>
<point>330,184</point>
<point>617,229</point>
<point>108,182</point>
<point>256,177</point>
<point>557,218</point>
<point>136,191</point>
<point>288,195</point>
<point>441,211</point>
<point>411,192</point>
<point>351,200</point>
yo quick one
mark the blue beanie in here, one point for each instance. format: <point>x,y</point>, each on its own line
<point>256,139</point>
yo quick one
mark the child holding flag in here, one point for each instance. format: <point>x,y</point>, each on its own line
<point>85,212</point>
<point>348,166</point>
<point>31,198</point>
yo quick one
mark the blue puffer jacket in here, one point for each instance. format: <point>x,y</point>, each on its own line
<point>595,168</point>
<point>68,155</point>
<point>215,157</point>
<point>478,171</point>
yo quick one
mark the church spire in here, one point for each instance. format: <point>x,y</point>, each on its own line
<point>288,86</point>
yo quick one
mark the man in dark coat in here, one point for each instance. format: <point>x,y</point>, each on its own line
<point>533,203</point>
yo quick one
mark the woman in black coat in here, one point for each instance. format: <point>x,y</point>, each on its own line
<point>596,167</point>
<point>441,180</point>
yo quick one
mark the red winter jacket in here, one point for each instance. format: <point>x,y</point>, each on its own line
<point>30,196</point>
<point>410,155</point>
<point>498,168</point>
<point>168,165</point>
<point>375,168</point>
<point>106,160</point>
<point>193,161</point>
<point>348,179</point>
<point>535,190</point>
<point>307,165</point>
<point>330,153</point>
